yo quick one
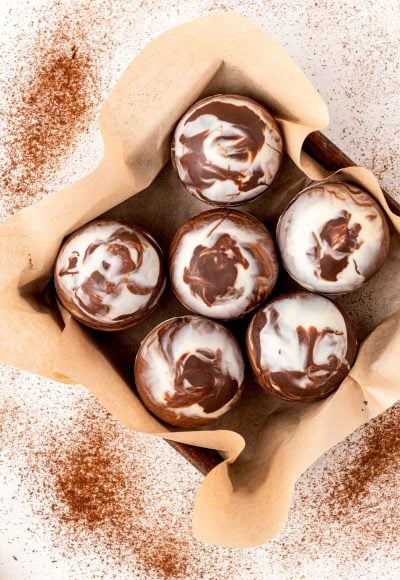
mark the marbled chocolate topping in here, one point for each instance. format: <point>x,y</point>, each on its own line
<point>189,371</point>
<point>301,346</point>
<point>109,273</point>
<point>227,149</point>
<point>333,237</point>
<point>334,245</point>
<point>223,263</point>
<point>212,271</point>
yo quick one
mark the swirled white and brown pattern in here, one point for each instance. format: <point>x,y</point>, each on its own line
<point>189,371</point>
<point>301,346</point>
<point>227,149</point>
<point>223,263</point>
<point>109,274</point>
<point>333,237</point>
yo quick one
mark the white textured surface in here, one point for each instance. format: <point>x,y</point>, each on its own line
<point>350,52</point>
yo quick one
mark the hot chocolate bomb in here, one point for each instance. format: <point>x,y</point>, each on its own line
<point>223,263</point>
<point>189,371</point>
<point>301,346</point>
<point>109,275</point>
<point>227,149</point>
<point>333,237</point>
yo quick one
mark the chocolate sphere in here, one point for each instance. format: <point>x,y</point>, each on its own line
<point>301,346</point>
<point>109,275</point>
<point>189,371</point>
<point>227,149</point>
<point>223,263</point>
<point>333,237</point>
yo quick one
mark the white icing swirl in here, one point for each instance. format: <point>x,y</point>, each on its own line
<point>186,365</point>
<point>226,157</point>
<point>332,238</point>
<point>223,264</point>
<point>303,341</point>
<point>108,271</point>
<point>282,351</point>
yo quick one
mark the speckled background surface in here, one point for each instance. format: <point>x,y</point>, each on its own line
<point>350,50</point>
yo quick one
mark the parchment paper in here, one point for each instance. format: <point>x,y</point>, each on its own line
<point>245,500</point>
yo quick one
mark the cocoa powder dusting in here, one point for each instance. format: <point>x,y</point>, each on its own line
<point>356,482</point>
<point>344,521</point>
<point>379,452</point>
<point>90,487</point>
<point>9,412</point>
<point>87,483</point>
<point>92,492</point>
<point>49,100</point>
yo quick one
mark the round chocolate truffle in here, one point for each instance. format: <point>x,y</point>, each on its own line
<point>333,237</point>
<point>227,149</point>
<point>109,275</point>
<point>189,371</point>
<point>301,346</point>
<point>223,263</point>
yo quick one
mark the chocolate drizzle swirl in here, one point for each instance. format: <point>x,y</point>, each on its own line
<point>100,265</point>
<point>343,191</point>
<point>198,375</point>
<point>96,285</point>
<point>333,237</point>
<point>298,361</point>
<point>213,271</point>
<point>226,148</point>
<point>223,263</point>
<point>313,375</point>
<point>334,245</point>
<point>199,379</point>
<point>201,374</point>
<point>243,145</point>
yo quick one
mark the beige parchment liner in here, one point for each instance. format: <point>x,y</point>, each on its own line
<point>267,444</point>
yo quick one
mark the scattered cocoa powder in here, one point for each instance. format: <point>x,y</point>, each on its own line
<point>88,483</point>
<point>298,549</point>
<point>51,110</point>
<point>49,100</point>
<point>9,414</point>
<point>356,487</point>
<point>91,491</point>
<point>374,461</point>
